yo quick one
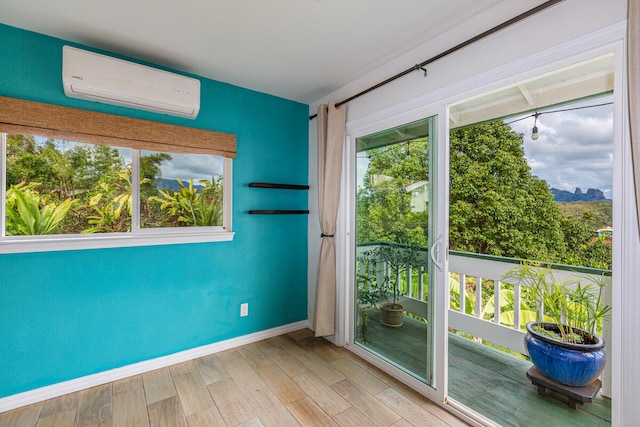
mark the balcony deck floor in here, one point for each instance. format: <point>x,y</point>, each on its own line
<point>486,380</point>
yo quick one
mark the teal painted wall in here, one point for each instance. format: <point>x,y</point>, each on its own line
<point>68,314</point>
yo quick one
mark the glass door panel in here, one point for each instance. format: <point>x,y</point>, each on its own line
<point>395,211</point>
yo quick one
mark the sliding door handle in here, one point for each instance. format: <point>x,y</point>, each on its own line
<point>435,253</point>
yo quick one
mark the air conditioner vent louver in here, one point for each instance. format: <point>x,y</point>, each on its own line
<point>95,77</point>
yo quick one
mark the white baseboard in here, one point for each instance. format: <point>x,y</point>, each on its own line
<point>55,390</point>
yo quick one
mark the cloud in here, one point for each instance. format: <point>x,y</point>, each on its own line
<point>574,148</point>
<point>192,166</point>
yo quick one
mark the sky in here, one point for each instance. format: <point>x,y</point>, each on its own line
<point>183,166</point>
<point>186,166</point>
<point>574,148</point>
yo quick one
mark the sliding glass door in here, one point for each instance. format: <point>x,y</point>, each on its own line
<point>395,247</point>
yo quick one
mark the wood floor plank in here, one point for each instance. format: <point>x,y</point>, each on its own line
<point>323,348</point>
<point>404,389</point>
<point>411,412</point>
<point>94,407</point>
<point>255,357</point>
<point>270,410</point>
<point>211,369</point>
<point>309,414</point>
<point>60,404</point>
<point>183,368</point>
<point>59,412</point>
<point>59,419</point>
<point>278,341</point>
<point>231,403</point>
<point>280,383</point>
<point>320,367</point>
<point>129,403</point>
<point>167,413</point>
<point>403,423</point>
<point>245,377</point>
<point>26,416</point>
<point>323,395</point>
<point>359,375</point>
<point>228,355</point>
<point>208,418</point>
<point>287,363</point>
<point>192,392</point>
<point>443,414</point>
<point>158,385</point>
<point>352,417</point>
<point>367,404</point>
<point>126,385</point>
<point>254,422</point>
<point>301,334</point>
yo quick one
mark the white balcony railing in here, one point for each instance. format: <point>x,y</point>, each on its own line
<point>471,275</point>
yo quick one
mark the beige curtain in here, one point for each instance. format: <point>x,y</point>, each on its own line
<point>331,123</point>
<point>633,72</point>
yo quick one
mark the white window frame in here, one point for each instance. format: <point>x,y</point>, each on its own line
<point>136,237</point>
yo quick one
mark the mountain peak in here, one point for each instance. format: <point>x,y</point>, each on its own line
<point>592,195</point>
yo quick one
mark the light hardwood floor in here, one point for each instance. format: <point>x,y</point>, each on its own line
<point>290,380</point>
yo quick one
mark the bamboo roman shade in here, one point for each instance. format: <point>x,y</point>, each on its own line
<point>71,124</point>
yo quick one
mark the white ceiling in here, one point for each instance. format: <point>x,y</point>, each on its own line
<point>296,49</point>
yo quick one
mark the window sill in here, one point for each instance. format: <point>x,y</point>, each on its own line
<point>68,243</point>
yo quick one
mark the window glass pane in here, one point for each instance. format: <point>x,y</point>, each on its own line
<point>66,187</point>
<point>180,190</point>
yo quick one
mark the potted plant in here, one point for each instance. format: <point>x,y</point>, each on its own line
<point>562,343</point>
<point>368,295</point>
<point>391,261</point>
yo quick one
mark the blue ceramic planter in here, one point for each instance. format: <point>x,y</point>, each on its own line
<point>571,364</point>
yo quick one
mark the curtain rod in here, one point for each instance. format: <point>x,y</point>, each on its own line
<point>457,47</point>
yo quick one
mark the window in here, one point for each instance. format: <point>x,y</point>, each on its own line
<point>69,193</point>
<point>178,190</point>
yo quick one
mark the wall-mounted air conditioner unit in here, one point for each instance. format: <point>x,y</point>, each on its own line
<point>88,75</point>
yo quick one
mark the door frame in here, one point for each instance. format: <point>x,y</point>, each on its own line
<point>346,247</point>
<point>626,245</point>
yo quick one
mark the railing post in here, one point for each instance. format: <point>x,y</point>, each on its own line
<point>516,307</point>
<point>478,297</point>
<point>496,301</point>
<point>463,293</point>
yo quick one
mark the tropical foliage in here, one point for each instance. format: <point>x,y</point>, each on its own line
<point>568,304</point>
<point>193,207</point>
<point>61,187</point>
<point>30,214</point>
<point>389,265</point>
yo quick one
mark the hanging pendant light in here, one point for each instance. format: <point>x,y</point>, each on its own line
<point>534,131</point>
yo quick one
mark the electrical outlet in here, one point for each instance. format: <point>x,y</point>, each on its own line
<point>244,309</point>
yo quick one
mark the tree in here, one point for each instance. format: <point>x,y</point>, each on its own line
<point>497,206</point>
<point>384,207</point>
<point>150,173</point>
<point>26,164</point>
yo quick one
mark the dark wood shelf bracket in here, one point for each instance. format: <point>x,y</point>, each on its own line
<point>278,186</point>
<point>278,212</point>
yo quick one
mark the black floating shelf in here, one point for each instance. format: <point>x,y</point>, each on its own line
<point>278,212</point>
<point>280,186</point>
